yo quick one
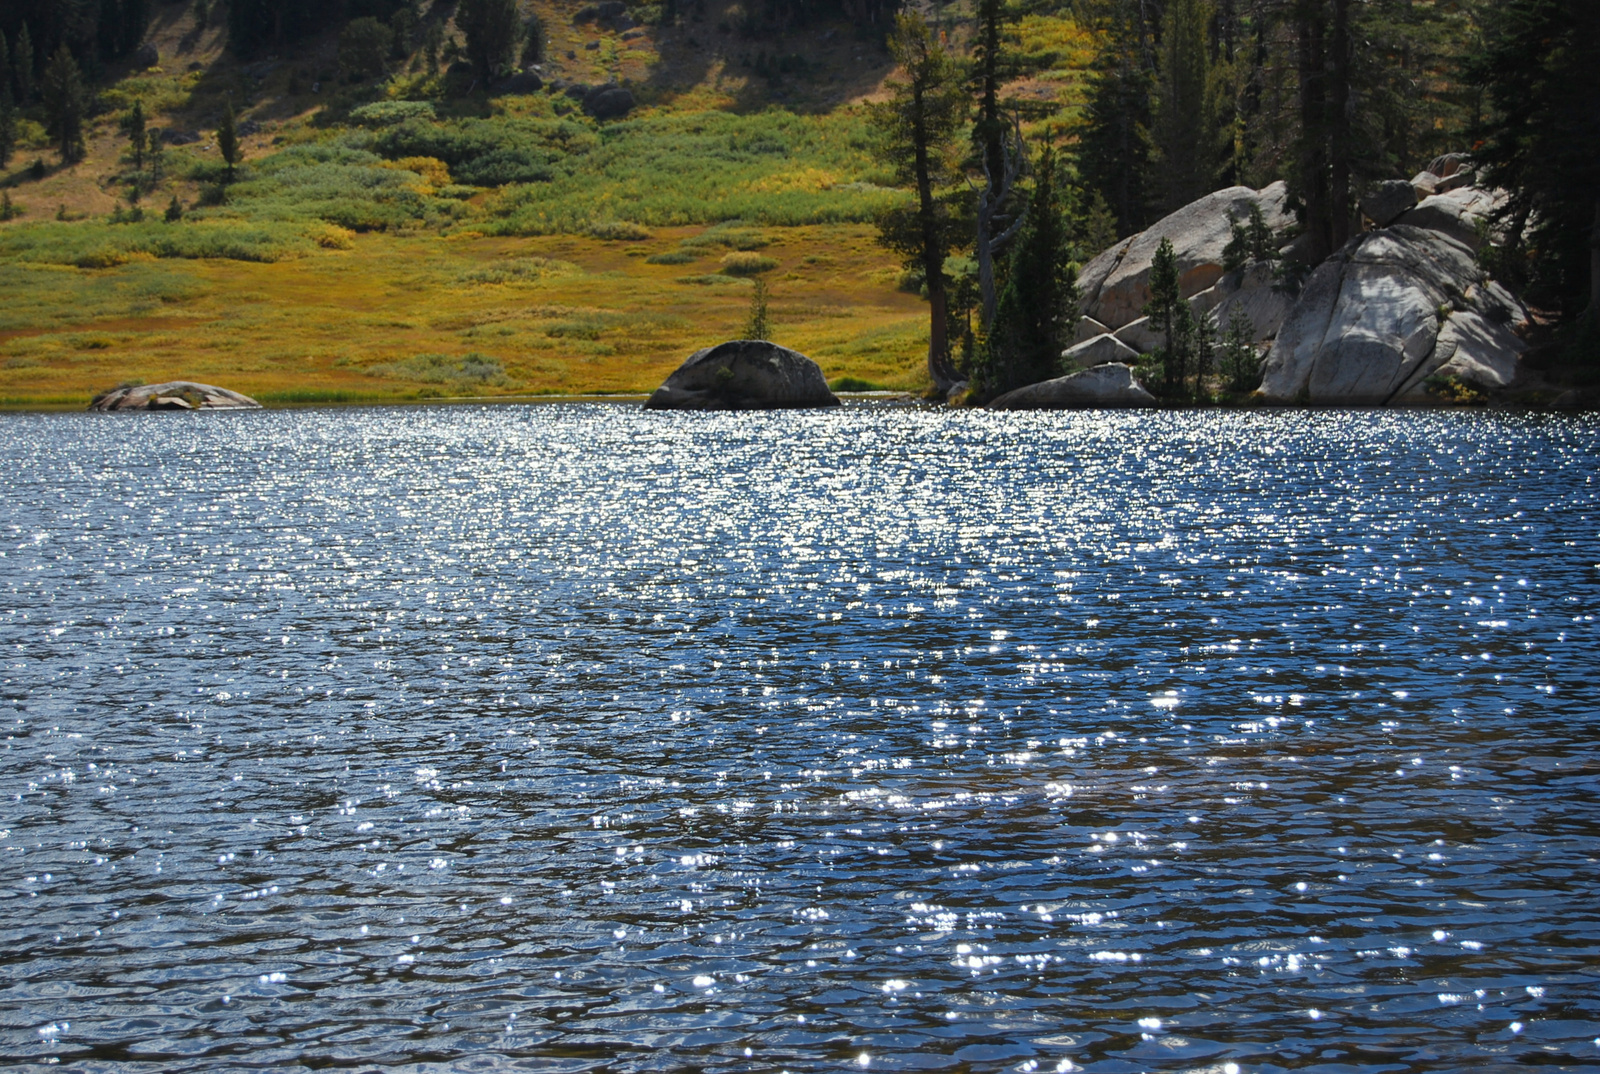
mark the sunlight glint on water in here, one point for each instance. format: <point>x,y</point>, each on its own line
<point>574,737</point>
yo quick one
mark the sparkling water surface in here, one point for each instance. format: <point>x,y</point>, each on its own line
<point>572,737</point>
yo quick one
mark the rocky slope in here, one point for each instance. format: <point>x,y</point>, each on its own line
<point>1403,315</point>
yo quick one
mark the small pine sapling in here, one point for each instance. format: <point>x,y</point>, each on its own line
<point>758,325</point>
<point>228,141</point>
<point>1241,363</point>
<point>135,127</point>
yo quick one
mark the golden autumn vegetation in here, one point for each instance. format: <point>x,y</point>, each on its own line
<point>383,242</point>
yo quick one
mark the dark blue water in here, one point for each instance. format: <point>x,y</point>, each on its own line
<point>579,738</point>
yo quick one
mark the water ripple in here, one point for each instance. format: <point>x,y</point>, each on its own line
<point>578,738</point>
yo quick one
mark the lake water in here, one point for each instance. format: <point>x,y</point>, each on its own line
<point>572,737</point>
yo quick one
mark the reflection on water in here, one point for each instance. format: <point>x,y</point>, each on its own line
<point>574,738</point>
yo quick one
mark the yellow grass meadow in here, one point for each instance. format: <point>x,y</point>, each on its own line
<point>393,317</point>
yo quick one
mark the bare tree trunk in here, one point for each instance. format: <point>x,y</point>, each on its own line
<point>993,196</point>
<point>1313,155</point>
<point>940,369</point>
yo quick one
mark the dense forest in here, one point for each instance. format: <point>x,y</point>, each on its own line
<point>1007,198</point>
<point>1187,96</point>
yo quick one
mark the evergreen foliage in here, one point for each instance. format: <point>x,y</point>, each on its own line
<point>918,127</point>
<point>1187,133</point>
<point>493,29</point>
<point>65,102</point>
<point>228,141</point>
<point>8,126</point>
<point>758,325</point>
<point>364,46</point>
<point>1039,305</point>
<point>1114,146</point>
<point>134,126</point>
<point>22,65</point>
<point>1240,361</point>
<point>1540,66</point>
<point>1251,241</point>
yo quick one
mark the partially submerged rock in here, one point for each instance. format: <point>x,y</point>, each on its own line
<point>1116,284</point>
<point>1374,321</point>
<point>173,395</point>
<point>744,374</point>
<point>1109,385</point>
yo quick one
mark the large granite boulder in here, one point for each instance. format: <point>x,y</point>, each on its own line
<point>1379,318</point>
<point>1388,199</point>
<point>1116,284</point>
<point>1098,351</point>
<point>173,395</point>
<point>1110,385</point>
<point>1463,214</point>
<point>1252,292</point>
<point>744,374</point>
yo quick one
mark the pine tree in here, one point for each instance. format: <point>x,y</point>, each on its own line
<point>1540,65</point>
<point>1241,362</point>
<point>1169,314</point>
<point>5,64</point>
<point>8,126</point>
<point>492,28</point>
<point>1187,130</point>
<point>1114,137</point>
<point>917,128</point>
<point>228,141</point>
<point>758,324</point>
<point>134,125</point>
<point>1038,308</point>
<point>1000,157</point>
<point>22,67</point>
<point>65,101</point>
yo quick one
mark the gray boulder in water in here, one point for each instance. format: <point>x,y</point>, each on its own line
<point>173,395</point>
<point>1109,385</point>
<point>744,374</point>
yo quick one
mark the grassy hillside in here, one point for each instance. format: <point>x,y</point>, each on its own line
<point>389,239</point>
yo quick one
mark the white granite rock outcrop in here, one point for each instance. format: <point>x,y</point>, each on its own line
<point>1109,385</point>
<point>1395,307</point>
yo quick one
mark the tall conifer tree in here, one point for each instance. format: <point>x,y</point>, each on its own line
<point>917,127</point>
<point>65,101</point>
<point>1114,138</point>
<point>22,67</point>
<point>1187,131</point>
<point>1034,319</point>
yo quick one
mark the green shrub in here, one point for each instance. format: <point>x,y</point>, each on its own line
<point>468,370</point>
<point>622,230</point>
<point>732,234</point>
<point>670,257</point>
<point>389,113</point>
<point>743,263</point>
<point>98,244</point>
<point>521,270</point>
<point>489,152</point>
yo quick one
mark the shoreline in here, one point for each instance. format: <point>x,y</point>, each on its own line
<point>886,399</point>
